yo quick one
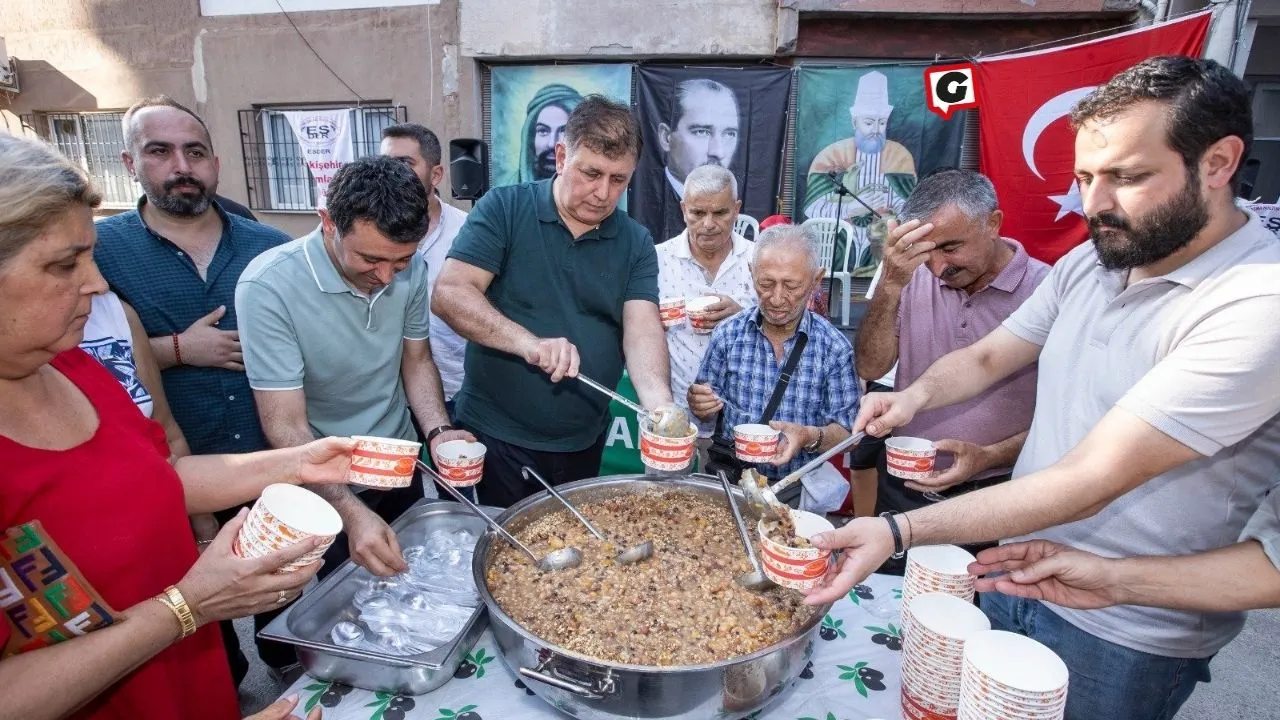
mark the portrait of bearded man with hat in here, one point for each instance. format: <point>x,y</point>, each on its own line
<point>876,170</point>
<point>544,123</point>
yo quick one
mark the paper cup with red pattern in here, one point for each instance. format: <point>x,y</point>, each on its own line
<point>910,458</point>
<point>671,310</point>
<point>696,309</point>
<point>461,462</point>
<point>792,567</point>
<point>666,453</point>
<point>755,443</point>
<point>383,463</point>
<point>282,516</point>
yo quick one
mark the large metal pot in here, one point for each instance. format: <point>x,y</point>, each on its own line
<point>596,690</point>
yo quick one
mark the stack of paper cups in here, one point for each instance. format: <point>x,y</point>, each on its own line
<point>282,516</point>
<point>933,654</point>
<point>935,569</point>
<point>1012,677</point>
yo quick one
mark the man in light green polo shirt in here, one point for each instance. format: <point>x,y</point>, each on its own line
<point>546,278</point>
<point>334,331</point>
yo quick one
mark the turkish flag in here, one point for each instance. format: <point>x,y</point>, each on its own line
<point>1027,146</point>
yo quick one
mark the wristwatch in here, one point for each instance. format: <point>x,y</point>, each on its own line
<point>816,443</point>
<point>431,436</point>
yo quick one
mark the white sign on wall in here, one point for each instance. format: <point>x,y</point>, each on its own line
<point>325,137</point>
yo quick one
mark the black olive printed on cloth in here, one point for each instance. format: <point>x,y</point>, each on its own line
<point>389,706</point>
<point>466,712</point>
<point>831,629</point>
<point>889,636</point>
<point>864,677</point>
<point>327,694</point>
<point>474,664</point>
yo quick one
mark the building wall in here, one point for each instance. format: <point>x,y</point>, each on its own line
<point>78,55</point>
<point>601,28</point>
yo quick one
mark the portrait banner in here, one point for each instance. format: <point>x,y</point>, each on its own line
<point>863,137</point>
<point>735,117</point>
<point>325,137</point>
<point>529,106</point>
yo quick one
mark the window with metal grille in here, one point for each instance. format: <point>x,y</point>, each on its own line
<point>94,141</point>
<point>275,173</point>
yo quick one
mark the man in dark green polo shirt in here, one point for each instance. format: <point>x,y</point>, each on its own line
<point>544,279</point>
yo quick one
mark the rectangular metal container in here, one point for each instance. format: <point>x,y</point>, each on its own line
<point>306,624</point>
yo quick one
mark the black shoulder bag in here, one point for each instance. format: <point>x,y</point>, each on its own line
<point>721,454</point>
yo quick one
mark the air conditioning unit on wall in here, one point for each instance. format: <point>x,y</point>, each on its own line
<point>8,70</point>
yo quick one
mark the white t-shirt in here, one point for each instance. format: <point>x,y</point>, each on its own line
<point>679,275</point>
<point>892,375</point>
<point>1193,353</point>
<point>108,339</point>
<point>447,346</point>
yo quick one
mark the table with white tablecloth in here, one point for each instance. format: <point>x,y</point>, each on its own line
<point>854,675</point>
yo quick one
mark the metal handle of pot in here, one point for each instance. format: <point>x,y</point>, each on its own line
<point>426,470</point>
<point>603,686</point>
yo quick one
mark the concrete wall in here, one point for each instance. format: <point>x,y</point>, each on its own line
<point>78,55</point>
<point>610,28</point>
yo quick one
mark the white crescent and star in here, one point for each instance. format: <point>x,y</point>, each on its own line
<point>1053,109</point>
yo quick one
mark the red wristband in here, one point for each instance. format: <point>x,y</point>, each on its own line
<point>177,350</point>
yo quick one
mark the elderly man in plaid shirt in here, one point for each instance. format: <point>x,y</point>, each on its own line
<point>748,351</point>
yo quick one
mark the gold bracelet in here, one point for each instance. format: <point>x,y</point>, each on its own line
<point>172,599</point>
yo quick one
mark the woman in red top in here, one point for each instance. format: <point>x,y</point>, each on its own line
<point>79,457</point>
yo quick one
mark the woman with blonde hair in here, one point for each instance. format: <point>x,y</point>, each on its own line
<point>94,473</point>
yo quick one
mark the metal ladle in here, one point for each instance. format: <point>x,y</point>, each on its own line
<point>754,579</point>
<point>634,554</point>
<point>764,500</point>
<point>562,559</point>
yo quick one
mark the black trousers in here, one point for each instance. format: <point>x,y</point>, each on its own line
<point>386,504</point>
<point>893,496</point>
<point>503,485</point>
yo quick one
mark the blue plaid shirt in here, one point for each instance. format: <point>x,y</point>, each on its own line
<point>214,407</point>
<point>742,369</point>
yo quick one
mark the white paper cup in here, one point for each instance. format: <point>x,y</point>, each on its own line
<point>755,443</point>
<point>284,515</point>
<point>672,311</point>
<point>383,463</point>
<point>910,458</point>
<point>696,309</point>
<point>461,462</point>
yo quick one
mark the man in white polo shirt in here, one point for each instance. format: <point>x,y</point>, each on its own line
<point>1157,420</point>
<point>334,331</point>
<point>708,258</point>
<point>419,148</point>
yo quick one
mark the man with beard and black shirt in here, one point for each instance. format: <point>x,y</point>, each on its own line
<point>1157,418</point>
<point>176,260</point>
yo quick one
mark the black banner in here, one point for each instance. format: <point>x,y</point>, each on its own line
<point>693,116</point>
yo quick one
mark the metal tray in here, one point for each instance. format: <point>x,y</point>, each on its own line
<point>306,623</point>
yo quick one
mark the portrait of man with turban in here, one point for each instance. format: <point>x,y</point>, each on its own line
<point>544,123</point>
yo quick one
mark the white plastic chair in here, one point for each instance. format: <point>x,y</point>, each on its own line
<point>828,230</point>
<point>744,223</point>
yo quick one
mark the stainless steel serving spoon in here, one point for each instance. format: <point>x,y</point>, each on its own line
<point>562,559</point>
<point>764,499</point>
<point>633,554</point>
<point>754,579</point>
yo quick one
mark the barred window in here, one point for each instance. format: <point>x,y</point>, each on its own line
<point>93,140</point>
<point>275,172</point>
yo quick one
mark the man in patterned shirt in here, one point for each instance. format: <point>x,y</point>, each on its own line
<point>708,258</point>
<point>747,353</point>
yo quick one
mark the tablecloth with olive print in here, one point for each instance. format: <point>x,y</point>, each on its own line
<point>855,674</point>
